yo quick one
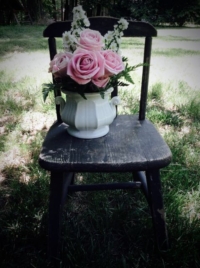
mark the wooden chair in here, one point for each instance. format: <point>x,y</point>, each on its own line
<point>132,145</point>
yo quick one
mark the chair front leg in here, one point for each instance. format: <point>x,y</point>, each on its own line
<point>59,183</point>
<point>141,177</point>
<point>155,200</point>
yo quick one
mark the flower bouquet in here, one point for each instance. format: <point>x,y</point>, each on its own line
<point>90,62</point>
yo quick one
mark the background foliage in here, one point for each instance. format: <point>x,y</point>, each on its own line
<point>158,12</point>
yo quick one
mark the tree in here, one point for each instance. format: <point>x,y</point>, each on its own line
<point>175,12</point>
<point>185,10</point>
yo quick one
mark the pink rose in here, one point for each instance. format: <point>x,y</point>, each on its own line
<point>91,40</point>
<point>58,66</point>
<point>113,62</point>
<point>85,65</point>
<point>101,81</point>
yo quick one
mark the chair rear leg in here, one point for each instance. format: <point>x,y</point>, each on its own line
<point>155,200</point>
<point>58,191</point>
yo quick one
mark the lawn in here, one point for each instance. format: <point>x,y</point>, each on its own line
<point>106,229</point>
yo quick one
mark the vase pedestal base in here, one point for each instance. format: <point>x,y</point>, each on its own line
<point>88,134</point>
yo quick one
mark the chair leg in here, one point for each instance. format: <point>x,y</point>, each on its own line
<point>155,200</point>
<point>58,191</point>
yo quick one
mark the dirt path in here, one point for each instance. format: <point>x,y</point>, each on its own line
<point>185,68</point>
<point>31,64</point>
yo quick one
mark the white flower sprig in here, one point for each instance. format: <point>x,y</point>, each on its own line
<point>79,23</point>
<point>113,38</point>
<point>69,42</point>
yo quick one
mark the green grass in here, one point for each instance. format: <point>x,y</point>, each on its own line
<point>128,42</point>
<point>104,229</point>
<point>21,38</point>
<point>175,52</point>
<point>179,38</point>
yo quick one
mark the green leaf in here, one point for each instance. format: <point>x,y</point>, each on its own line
<point>46,89</point>
<point>128,78</point>
<point>102,93</point>
<point>122,84</point>
<point>82,94</point>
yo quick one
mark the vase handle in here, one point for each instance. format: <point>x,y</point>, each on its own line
<point>60,101</point>
<point>115,101</point>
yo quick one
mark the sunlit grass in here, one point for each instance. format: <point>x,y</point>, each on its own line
<point>128,42</point>
<point>175,52</point>
<point>169,38</point>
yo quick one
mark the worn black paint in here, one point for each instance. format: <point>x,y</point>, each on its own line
<point>130,145</point>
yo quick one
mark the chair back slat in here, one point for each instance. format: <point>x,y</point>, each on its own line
<point>52,47</point>
<point>145,77</point>
<point>53,52</point>
<point>103,25</point>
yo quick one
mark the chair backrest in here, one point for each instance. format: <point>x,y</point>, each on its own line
<point>103,25</point>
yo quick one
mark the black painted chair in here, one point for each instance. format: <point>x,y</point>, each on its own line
<point>132,145</point>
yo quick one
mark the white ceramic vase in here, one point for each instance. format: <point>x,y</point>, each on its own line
<point>88,118</point>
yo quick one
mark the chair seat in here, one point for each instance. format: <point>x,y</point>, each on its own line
<point>130,145</point>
